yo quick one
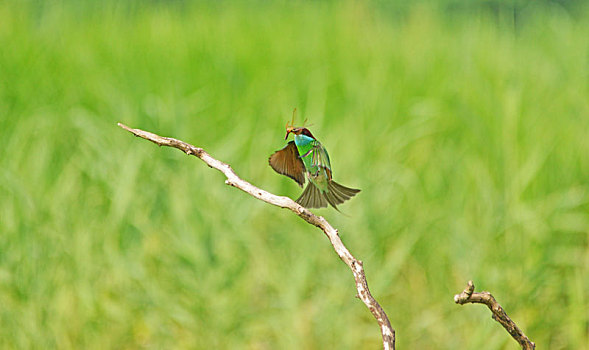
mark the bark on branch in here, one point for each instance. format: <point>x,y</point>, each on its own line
<point>469,296</point>
<point>388,333</point>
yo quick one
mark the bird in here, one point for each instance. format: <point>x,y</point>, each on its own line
<point>305,157</point>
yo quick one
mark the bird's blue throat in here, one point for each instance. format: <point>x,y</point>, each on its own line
<point>302,140</point>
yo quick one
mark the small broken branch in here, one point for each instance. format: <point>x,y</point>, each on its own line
<point>388,333</point>
<point>469,296</point>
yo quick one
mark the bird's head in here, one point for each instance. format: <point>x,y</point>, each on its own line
<point>297,130</point>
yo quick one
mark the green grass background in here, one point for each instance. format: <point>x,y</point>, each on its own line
<point>467,133</point>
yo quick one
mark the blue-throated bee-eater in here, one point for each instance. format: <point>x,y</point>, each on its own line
<point>305,156</point>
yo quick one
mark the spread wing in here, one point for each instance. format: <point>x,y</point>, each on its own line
<point>287,162</point>
<point>321,158</point>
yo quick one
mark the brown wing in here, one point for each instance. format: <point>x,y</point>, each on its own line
<point>287,162</point>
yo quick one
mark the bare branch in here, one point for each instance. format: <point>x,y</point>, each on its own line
<point>469,296</point>
<point>388,333</point>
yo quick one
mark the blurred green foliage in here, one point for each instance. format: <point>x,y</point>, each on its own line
<point>467,131</point>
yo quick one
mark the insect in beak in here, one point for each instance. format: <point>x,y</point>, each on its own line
<point>290,126</point>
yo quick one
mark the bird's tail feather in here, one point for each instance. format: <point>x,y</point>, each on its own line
<point>336,194</point>
<point>311,197</point>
